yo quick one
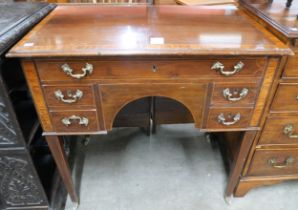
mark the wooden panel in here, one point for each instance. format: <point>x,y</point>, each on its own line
<point>273,132</point>
<point>134,114</point>
<point>91,115</point>
<point>286,162</point>
<point>229,114</point>
<point>130,69</point>
<point>87,98</point>
<point>164,109</point>
<point>291,69</point>
<point>116,96</point>
<point>273,69</point>
<point>36,91</point>
<point>218,97</point>
<point>286,98</point>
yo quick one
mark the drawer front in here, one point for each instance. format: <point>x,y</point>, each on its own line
<point>227,118</point>
<point>280,130</point>
<point>234,94</point>
<point>291,69</point>
<point>274,162</point>
<point>127,69</point>
<point>69,95</point>
<point>75,121</point>
<point>286,98</point>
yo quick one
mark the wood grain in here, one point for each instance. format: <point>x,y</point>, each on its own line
<point>261,167</point>
<point>286,98</point>
<point>116,96</point>
<point>229,113</point>
<point>273,130</point>
<point>131,68</point>
<point>37,94</point>
<point>126,31</point>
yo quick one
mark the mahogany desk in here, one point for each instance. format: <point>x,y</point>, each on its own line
<point>85,63</point>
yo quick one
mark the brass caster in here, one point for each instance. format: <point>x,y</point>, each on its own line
<point>75,206</point>
<point>86,141</point>
<point>228,200</point>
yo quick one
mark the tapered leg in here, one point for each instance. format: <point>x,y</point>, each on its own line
<point>239,162</point>
<point>58,153</point>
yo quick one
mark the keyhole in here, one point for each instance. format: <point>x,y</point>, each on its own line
<point>69,94</point>
<point>154,68</point>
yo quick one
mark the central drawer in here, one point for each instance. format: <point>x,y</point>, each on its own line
<point>132,69</point>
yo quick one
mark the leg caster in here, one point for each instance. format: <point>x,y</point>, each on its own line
<point>229,199</point>
<point>86,140</point>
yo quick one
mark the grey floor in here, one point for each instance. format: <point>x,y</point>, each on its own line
<point>176,169</point>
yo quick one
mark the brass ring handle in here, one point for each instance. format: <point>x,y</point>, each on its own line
<point>218,66</point>
<point>222,120</point>
<point>73,97</point>
<point>229,96</point>
<point>289,131</point>
<point>273,162</point>
<point>81,120</point>
<point>88,69</point>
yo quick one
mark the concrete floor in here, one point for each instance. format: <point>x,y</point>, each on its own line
<point>176,169</point>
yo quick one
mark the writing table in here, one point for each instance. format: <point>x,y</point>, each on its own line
<point>84,63</point>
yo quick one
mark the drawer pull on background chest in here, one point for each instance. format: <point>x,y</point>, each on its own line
<point>275,164</point>
<point>69,120</point>
<point>231,119</point>
<point>228,94</point>
<point>289,131</point>
<point>72,97</point>
<point>218,66</point>
<point>87,70</point>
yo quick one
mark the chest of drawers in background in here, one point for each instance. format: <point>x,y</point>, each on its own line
<point>274,156</point>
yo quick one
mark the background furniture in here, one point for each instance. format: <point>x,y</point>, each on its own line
<point>20,186</point>
<point>222,75</point>
<point>274,155</point>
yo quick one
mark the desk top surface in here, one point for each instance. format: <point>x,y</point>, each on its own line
<point>276,14</point>
<point>91,30</point>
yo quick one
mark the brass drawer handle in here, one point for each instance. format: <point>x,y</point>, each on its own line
<point>273,162</point>
<point>222,120</point>
<point>88,69</point>
<point>73,97</point>
<point>289,131</point>
<point>218,66</point>
<point>69,120</point>
<point>229,96</point>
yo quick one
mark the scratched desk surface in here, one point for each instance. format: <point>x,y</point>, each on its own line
<point>90,30</point>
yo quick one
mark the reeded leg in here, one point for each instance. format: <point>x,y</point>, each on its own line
<point>238,164</point>
<point>56,147</point>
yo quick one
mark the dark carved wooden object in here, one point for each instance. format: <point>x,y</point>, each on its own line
<point>20,187</point>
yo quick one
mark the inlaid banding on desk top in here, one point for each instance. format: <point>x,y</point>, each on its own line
<point>146,30</point>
